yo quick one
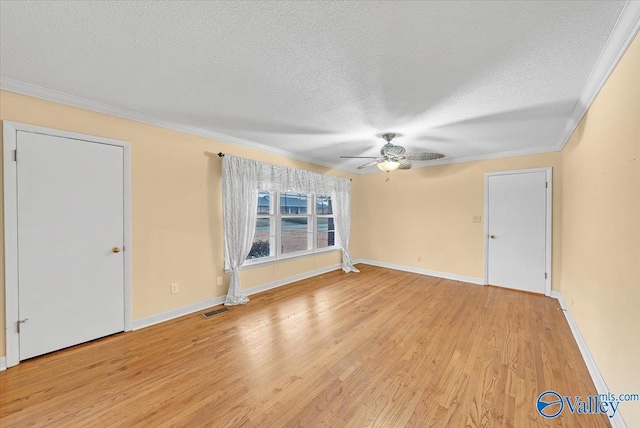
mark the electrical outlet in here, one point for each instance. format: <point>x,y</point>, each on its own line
<point>477,219</point>
<point>175,288</point>
<point>219,280</point>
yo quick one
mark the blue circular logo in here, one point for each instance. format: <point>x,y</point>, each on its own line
<point>549,404</point>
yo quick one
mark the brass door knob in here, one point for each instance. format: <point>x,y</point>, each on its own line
<point>116,250</point>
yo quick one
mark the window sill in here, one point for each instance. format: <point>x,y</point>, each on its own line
<point>300,255</point>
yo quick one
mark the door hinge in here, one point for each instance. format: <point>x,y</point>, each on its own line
<point>545,275</point>
<point>15,156</point>
<point>546,184</point>
<point>21,322</point>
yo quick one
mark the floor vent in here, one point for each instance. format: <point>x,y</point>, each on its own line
<point>216,312</point>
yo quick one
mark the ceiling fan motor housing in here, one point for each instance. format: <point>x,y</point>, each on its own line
<point>391,150</point>
<point>388,136</point>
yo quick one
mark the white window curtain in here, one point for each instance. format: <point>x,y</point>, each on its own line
<point>241,181</point>
<point>239,213</point>
<point>341,197</point>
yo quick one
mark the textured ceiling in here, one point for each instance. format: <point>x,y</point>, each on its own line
<point>322,79</point>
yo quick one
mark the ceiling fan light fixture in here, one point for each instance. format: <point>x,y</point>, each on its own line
<point>388,166</point>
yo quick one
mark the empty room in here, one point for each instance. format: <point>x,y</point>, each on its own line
<point>320,214</point>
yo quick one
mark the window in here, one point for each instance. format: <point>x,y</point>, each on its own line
<point>264,240</point>
<point>325,229</point>
<point>295,223</point>
<point>291,224</point>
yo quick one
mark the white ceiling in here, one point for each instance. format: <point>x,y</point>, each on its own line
<point>321,79</point>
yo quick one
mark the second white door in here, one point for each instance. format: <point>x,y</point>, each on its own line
<point>517,230</point>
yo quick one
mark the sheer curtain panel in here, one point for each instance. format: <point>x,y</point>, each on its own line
<point>239,212</point>
<point>241,181</point>
<point>341,196</point>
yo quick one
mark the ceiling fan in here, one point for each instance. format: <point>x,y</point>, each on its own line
<point>393,157</point>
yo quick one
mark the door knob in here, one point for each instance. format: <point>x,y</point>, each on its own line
<point>492,236</point>
<point>116,250</point>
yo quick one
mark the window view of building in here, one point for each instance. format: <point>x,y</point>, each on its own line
<point>294,203</point>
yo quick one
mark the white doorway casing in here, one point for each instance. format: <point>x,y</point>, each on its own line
<point>69,149</point>
<point>521,206</point>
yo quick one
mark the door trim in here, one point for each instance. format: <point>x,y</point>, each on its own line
<point>549,217</point>
<point>10,135</point>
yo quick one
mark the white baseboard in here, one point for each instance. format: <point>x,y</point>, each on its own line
<point>594,372</point>
<point>189,309</point>
<point>437,274</point>
<point>3,363</point>
<point>289,280</point>
<point>175,313</point>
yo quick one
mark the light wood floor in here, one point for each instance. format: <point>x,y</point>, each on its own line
<point>379,348</point>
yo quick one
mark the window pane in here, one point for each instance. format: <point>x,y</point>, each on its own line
<point>323,205</point>
<point>295,234</point>
<point>326,232</point>
<point>262,241</point>
<point>294,203</point>
<point>264,203</point>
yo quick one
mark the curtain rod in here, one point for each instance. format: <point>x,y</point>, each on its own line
<point>222,155</point>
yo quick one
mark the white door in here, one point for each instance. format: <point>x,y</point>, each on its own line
<point>70,236</point>
<point>517,230</point>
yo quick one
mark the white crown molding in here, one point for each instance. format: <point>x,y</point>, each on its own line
<point>189,309</point>
<point>16,86</point>
<point>437,274</point>
<point>497,155</point>
<point>87,104</point>
<point>596,376</point>
<point>622,35</point>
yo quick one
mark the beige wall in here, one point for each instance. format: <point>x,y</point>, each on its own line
<point>600,275</point>
<point>427,213</point>
<point>176,207</point>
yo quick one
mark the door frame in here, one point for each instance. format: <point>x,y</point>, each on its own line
<point>11,286</point>
<point>549,217</point>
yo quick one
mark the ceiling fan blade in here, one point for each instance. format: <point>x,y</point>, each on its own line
<point>404,164</point>
<point>424,156</point>
<point>369,164</point>
<point>358,157</point>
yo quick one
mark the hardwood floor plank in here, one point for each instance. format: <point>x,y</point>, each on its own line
<point>379,348</point>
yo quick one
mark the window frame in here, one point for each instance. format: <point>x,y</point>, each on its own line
<point>276,217</point>
<point>310,224</point>
<point>272,227</point>
<point>316,216</point>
